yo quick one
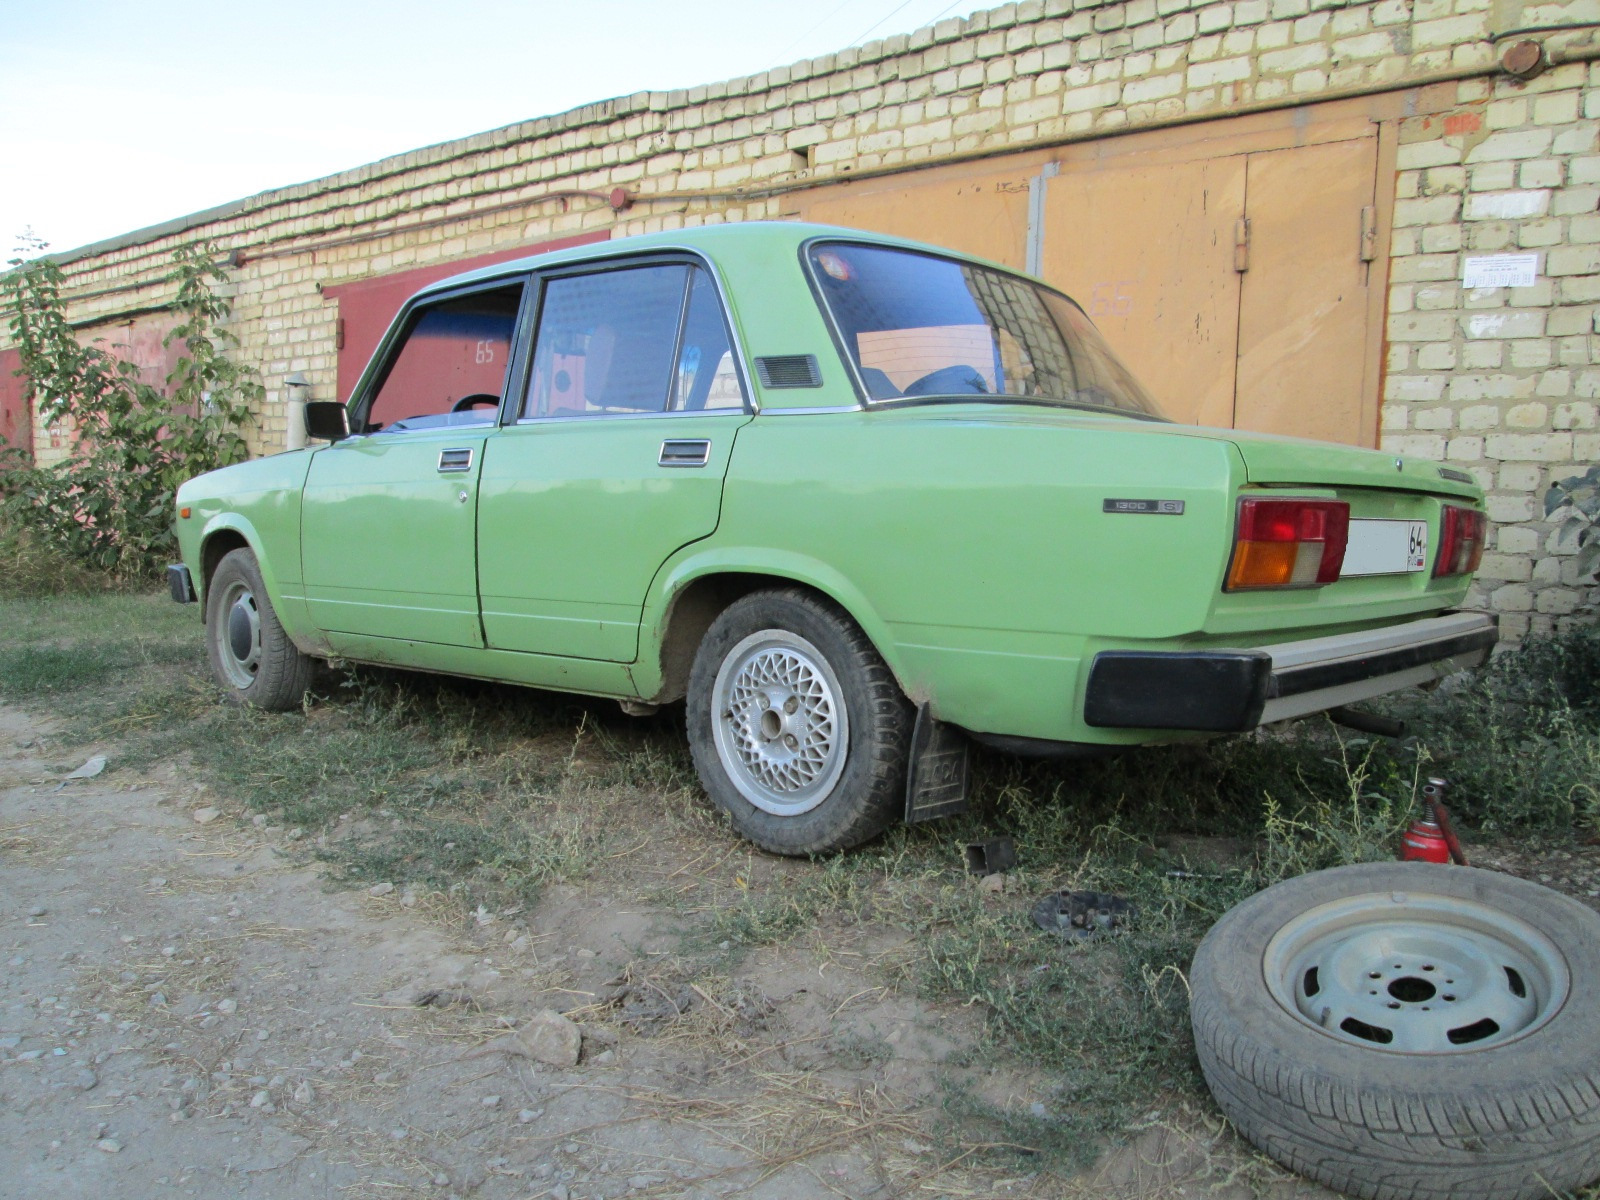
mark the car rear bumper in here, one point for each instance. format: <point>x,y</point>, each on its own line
<point>1229,691</point>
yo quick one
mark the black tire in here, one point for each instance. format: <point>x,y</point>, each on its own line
<point>1504,1113</point>
<point>251,656</point>
<point>846,790</point>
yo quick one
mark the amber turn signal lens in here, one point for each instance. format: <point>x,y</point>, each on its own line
<point>184,513</point>
<point>1264,564</point>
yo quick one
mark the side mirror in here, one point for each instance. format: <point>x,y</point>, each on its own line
<point>328,420</point>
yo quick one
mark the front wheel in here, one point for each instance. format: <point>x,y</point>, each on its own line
<point>798,729</point>
<point>251,656</point>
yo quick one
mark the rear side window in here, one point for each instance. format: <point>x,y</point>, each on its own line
<point>450,365</point>
<point>920,326</point>
<point>631,340</point>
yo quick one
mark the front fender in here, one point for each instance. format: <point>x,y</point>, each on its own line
<point>286,596</point>
<point>256,502</point>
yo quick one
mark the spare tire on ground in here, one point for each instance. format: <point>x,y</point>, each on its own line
<point>1408,1030</point>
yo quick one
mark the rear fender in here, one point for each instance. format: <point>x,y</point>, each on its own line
<point>699,562</point>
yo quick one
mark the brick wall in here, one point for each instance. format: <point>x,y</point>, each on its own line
<point>1502,381</point>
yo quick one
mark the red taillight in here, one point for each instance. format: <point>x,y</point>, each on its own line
<point>1462,533</point>
<point>1288,543</point>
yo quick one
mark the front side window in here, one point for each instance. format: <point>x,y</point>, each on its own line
<point>631,340</point>
<point>918,326</point>
<point>450,365</point>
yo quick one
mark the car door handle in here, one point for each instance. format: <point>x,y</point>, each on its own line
<point>455,460</point>
<point>685,452</point>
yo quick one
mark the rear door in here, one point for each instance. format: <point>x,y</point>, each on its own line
<point>616,458</point>
<point>388,533</point>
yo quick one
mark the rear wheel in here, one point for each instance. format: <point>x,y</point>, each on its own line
<point>251,656</point>
<point>799,731</point>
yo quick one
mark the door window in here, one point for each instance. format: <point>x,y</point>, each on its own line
<point>706,378</point>
<point>636,340</point>
<point>450,365</point>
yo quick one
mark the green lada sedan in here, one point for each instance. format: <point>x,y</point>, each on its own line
<point>856,501</point>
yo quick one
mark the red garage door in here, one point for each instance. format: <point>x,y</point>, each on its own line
<point>367,306</point>
<point>14,424</point>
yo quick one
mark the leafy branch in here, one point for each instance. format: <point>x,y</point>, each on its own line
<point>1574,504</point>
<point>109,503</point>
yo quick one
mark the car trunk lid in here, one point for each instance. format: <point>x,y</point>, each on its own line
<point>1282,461</point>
<point>1270,460</point>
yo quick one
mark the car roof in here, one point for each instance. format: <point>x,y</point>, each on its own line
<point>723,241</point>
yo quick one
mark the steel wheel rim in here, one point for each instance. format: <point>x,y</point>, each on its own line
<point>239,639</point>
<point>779,720</point>
<point>1408,973</point>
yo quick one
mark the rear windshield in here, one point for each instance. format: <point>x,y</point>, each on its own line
<point>918,326</point>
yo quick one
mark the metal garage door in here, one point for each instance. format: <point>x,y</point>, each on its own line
<point>14,424</point>
<point>1233,263</point>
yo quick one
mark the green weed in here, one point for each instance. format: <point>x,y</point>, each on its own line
<point>498,858</point>
<point>1520,741</point>
<point>31,670</point>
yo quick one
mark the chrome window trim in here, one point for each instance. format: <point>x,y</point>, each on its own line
<point>634,416</point>
<point>801,410</point>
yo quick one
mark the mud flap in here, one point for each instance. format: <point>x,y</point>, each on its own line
<point>936,780</point>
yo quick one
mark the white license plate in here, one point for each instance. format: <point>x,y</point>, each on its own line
<point>1385,548</point>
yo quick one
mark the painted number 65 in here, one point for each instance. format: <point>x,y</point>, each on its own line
<point>1111,299</point>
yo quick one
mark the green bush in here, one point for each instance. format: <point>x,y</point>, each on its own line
<point>1520,741</point>
<point>109,505</point>
<point>30,568</point>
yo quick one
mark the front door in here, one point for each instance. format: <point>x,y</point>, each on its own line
<point>615,462</point>
<point>389,539</point>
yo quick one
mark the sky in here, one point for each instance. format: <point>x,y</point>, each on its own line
<point>118,115</point>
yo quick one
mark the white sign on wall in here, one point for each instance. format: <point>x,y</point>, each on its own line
<point>1500,270</point>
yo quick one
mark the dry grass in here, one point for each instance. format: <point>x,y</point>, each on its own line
<point>25,842</point>
<point>185,884</point>
<point>1179,1152</point>
<point>198,967</point>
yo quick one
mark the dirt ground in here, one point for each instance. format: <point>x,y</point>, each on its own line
<point>189,1010</point>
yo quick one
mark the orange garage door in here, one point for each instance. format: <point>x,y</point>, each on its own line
<point>1232,263</point>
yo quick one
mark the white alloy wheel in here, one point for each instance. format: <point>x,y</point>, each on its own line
<point>782,729</point>
<point>798,729</point>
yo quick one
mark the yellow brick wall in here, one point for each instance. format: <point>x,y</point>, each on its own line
<point>1503,382</point>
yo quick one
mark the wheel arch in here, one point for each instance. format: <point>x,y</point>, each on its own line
<point>218,544</point>
<point>222,535</point>
<point>687,597</point>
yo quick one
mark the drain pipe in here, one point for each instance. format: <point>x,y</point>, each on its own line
<point>297,390</point>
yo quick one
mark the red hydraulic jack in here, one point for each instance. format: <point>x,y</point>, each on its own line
<point>1432,838</point>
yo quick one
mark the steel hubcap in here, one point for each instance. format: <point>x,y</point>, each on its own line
<point>779,721</point>
<point>1416,974</point>
<point>241,644</point>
